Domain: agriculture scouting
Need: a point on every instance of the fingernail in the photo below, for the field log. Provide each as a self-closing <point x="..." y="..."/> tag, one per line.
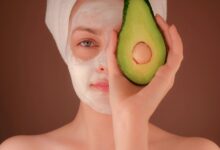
<point x="172" y="27"/>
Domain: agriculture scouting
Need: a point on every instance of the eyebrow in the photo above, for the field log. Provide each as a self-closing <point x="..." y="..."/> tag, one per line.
<point x="87" y="29"/>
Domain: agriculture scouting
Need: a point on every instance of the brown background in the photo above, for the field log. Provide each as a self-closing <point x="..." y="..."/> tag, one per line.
<point x="36" y="94"/>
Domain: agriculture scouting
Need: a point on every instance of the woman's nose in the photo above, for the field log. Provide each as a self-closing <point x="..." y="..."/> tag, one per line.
<point x="101" y="63"/>
<point x="101" y="68"/>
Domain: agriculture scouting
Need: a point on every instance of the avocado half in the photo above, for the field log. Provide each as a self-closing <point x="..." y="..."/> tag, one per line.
<point x="139" y="26"/>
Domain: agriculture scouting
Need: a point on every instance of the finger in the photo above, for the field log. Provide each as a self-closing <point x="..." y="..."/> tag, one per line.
<point x="175" y="55"/>
<point x="165" y="76"/>
<point x="114" y="75"/>
<point x="157" y="88"/>
<point x="160" y="84"/>
<point x="174" y="42"/>
<point x="165" y="29"/>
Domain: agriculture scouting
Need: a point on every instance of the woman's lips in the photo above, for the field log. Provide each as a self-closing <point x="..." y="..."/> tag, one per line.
<point x="103" y="86"/>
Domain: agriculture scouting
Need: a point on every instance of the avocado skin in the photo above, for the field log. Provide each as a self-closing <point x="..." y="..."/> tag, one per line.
<point x="123" y="69"/>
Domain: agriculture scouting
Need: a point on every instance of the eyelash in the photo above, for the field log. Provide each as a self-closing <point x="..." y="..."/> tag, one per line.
<point x="88" y="41"/>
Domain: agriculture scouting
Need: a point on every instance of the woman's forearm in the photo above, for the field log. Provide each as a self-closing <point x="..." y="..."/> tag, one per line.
<point x="130" y="132"/>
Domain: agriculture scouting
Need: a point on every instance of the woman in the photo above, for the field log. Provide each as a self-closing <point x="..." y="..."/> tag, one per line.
<point x="113" y="113"/>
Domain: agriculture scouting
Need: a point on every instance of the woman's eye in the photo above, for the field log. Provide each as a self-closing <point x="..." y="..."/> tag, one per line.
<point x="87" y="43"/>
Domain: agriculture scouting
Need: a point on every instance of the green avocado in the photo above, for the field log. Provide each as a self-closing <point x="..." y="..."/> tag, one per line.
<point x="140" y="28"/>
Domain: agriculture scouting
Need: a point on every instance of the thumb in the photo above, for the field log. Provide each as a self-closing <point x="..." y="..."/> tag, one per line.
<point x="116" y="78"/>
<point x="113" y="68"/>
<point x="119" y="86"/>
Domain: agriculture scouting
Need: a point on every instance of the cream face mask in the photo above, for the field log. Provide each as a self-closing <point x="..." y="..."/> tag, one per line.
<point x="87" y="47"/>
<point x="84" y="53"/>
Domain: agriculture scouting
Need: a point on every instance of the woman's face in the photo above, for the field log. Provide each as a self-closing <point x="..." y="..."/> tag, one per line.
<point x="90" y="27"/>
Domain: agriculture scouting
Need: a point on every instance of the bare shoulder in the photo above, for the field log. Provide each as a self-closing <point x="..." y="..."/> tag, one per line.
<point x="197" y="143"/>
<point x="31" y="142"/>
<point x="21" y="142"/>
<point x="190" y="143"/>
<point x="51" y="140"/>
<point x="169" y="141"/>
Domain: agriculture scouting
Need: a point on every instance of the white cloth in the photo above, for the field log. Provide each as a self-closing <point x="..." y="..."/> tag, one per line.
<point x="58" y="13"/>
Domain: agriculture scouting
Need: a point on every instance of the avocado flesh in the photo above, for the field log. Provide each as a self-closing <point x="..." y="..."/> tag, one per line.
<point x="139" y="26"/>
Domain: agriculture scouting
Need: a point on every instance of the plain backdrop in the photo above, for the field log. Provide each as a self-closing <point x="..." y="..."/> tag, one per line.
<point x="36" y="94"/>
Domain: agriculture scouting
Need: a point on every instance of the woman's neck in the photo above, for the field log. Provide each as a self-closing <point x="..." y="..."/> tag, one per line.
<point x="97" y="129"/>
<point x="94" y="127"/>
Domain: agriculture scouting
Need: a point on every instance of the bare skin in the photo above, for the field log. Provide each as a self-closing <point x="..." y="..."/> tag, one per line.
<point x="128" y="127"/>
<point x="93" y="131"/>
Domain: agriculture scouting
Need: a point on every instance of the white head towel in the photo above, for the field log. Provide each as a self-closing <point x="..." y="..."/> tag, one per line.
<point x="58" y="13"/>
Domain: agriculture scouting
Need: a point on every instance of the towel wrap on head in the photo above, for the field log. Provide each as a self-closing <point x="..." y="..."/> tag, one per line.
<point x="58" y="13"/>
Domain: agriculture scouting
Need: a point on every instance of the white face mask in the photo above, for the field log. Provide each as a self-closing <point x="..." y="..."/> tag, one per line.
<point x="90" y="76"/>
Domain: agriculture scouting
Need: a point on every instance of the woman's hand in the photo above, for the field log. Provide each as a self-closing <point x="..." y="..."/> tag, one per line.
<point x="132" y="106"/>
<point x="137" y="101"/>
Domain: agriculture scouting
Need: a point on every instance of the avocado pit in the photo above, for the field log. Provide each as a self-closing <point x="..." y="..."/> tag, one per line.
<point x="141" y="53"/>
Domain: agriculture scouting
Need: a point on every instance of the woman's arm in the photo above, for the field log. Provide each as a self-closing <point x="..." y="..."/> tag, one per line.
<point x="130" y="132"/>
<point x="132" y="106"/>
